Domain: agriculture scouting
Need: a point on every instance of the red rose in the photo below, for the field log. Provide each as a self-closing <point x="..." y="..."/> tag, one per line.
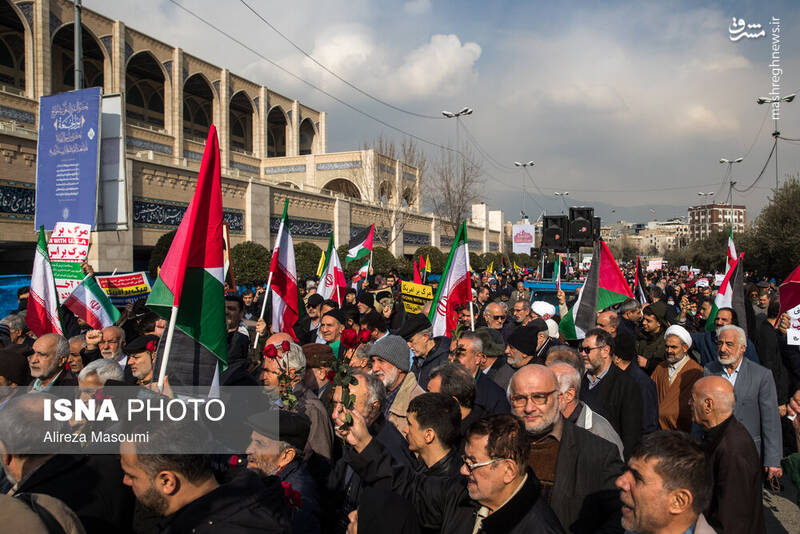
<point x="364" y="335"/>
<point x="293" y="497"/>
<point x="349" y="338"/>
<point x="151" y="346"/>
<point x="330" y="374"/>
<point x="270" y="352"/>
<point x="285" y="346"/>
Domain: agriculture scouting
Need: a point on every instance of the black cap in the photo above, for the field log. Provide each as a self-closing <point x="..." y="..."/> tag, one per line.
<point x="624" y="346"/>
<point x="524" y="339"/>
<point x="366" y="298"/>
<point x="293" y="428"/>
<point x="139" y="344"/>
<point x="336" y="314"/>
<point x="315" y="300"/>
<point x="537" y="325"/>
<point x="415" y="322"/>
<point x="14" y="364"/>
<point x="380" y="295"/>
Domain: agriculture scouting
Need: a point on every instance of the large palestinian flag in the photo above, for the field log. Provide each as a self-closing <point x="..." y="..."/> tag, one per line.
<point x="285" y="310"/>
<point x="361" y="245"/>
<point x="43" y="316"/>
<point x="454" y="290"/>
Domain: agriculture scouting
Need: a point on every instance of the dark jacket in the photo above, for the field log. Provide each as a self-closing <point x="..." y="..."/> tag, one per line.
<point x="422" y="367"/>
<point x="651" y="346"/>
<point x="448" y="466"/>
<point x="491" y="396"/>
<point x="626" y="326"/>
<point x="303" y="330"/>
<point x="649" y="397"/>
<point x="238" y="346"/>
<point x="91" y="485"/>
<point x="618" y="399"/>
<point x="501" y="372"/>
<point x="584" y="495"/>
<point x="736" y="501"/>
<point x="444" y="504"/>
<point x="245" y="504"/>
<point x="767" y="341"/>
<point x="664" y="311"/>
<point x="706" y="344"/>
<point x="308" y="518"/>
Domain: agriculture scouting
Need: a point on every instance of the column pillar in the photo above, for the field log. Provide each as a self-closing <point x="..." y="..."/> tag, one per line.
<point x="224" y="119"/>
<point x="258" y="207"/>
<point x="341" y="222"/>
<point x="176" y="122"/>
<point x="43" y="63"/>
<point x="295" y="128"/>
<point x="322" y="134"/>
<point x="118" y="58"/>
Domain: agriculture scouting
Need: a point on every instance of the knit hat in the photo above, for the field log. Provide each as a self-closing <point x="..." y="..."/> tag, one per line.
<point x="524" y="339"/>
<point x="366" y="298"/>
<point x="336" y="314"/>
<point x="393" y="349"/>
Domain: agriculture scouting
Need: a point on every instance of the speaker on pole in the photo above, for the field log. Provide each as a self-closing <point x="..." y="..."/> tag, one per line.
<point x="580" y="227"/>
<point x="555" y="230"/>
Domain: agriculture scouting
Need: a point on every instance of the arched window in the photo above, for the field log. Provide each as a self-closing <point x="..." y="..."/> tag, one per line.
<point x="276" y="129"/>
<point x="241" y="120"/>
<point x="144" y="80"/>
<point x="12" y="48"/>
<point x="198" y="100"/>
<point x="64" y="59"/>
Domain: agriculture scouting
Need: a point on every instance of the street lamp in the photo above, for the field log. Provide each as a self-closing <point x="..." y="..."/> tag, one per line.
<point x="775" y="100"/>
<point x="451" y="115"/>
<point x="525" y="168"/>
<point x="564" y="200"/>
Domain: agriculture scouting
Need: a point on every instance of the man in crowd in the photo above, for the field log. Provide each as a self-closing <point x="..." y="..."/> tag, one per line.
<point x="666" y="486"/>
<point x="469" y="353"/>
<point x="306" y="328"/>
<point x="47" y="362"/>
<point x="522" y="312"/>
<point x="674" y="378"/>
<point x="14" y="372"/>
<point x="75" y="359"/>
<point x="319" y="365"/>
<point x="630" y="316"/>
<point x="625" y="359"/>
<point x="434" y="433"/>
<point x="495" y="316"/>
<point x="389" y="357"/>
<point x="238" y="341"/>
<point x="521" y="293"/>
<point x="706" y="342"/>
<point x="482" y="299"/>
<point x="608" y="320"/>
<point x="608" y="390"/>
<point x="495" y="365"/>
<point x="650" y="340"/>
<point x="576" y="468"/>
<point x="141" y="355"/>
<point x="542" y="310"/>
<point x="375" y="324"/>
<point x="429" y="352"/>
<point x="756" y="401"/>
<point x="111" y="345"/>
<point x="330" y="330"/>
<point x="528" y="345"/>
<point x="736" y="468"/>
<point x="251" y="309"/>
<point x="453" y="380"/>
<point x="365" y="302"/>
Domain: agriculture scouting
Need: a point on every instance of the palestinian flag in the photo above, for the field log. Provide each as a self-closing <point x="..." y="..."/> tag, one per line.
<point x="285" y="310"/>
<point x="454" y="290"/>
<point x="191" y="279"/>
<point x="604" y="287"/>
<point x="90" y="303"/>
<point x="42" y="316"/>
<point x="361" y="245"/>
<point x="731" y="295"/>
<point x="638" y="285"/>
<point x="731" y="252"/>
<point x="332" y="284"/>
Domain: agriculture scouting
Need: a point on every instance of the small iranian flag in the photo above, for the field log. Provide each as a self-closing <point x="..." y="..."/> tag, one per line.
<point x="89" y="302"/>
<point x="454" y="288"/>
<point x="731" y="252"/>
<point x="42" y="316"/>
<point x="361" y="245"/>
<point x="284" y="280"/>
<point x="604" y="287"/>
<point x="730" y="295"/>
<point x="332" y="283"/>
<point x="362" y="274"/>
<point x="557" y="275"/>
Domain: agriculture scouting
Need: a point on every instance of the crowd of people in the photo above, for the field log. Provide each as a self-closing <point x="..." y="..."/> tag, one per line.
<point x="652" y="423"/>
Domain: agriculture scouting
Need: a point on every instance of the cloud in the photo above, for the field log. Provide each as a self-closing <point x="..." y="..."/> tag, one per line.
<point x="417" y="7"/>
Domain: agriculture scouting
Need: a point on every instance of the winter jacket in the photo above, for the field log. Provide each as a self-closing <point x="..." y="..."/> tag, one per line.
<point x="422" y="366"/>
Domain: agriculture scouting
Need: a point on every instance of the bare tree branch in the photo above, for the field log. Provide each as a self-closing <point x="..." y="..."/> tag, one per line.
<point x="453" y="187"/>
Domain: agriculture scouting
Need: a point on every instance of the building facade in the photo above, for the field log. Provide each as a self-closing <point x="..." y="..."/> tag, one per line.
<point x="710" y="217"/>
<point x="272" y="147"/>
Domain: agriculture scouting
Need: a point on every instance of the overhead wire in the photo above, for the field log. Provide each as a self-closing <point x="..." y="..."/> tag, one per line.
<point x="764" y="168"/>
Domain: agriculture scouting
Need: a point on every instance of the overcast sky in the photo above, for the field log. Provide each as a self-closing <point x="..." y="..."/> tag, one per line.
<point x="628" y="106"/>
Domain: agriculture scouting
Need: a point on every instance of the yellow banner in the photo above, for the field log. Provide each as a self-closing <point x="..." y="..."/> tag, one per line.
<point x="415" y="296"/>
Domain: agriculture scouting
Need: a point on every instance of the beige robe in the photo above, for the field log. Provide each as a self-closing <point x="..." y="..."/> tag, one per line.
<point x="674" y="412"/>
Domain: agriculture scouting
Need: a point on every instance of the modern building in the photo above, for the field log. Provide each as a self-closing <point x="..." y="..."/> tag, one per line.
<point x="272" y="147"/>
<point x="707" y="218"/>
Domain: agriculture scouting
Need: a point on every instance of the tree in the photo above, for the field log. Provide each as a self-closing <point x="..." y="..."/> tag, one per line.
<point x="476" y="261"/>
<point x="250" y="263"/>
<point x="160" y="252"/>
<point x="382" y="260"/>
<point x="306" y="259"/>
<point x="437" y="257"/>
<point x="453" y="187"/>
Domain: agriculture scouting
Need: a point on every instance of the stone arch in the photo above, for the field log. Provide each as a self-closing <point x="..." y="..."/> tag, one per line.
<point x="198" y="107"/>
<point x="63" y="57"/>
<point x="277" y="132"/>
<point x="13" y="53"/>
<point x="145" y="90"/>
<point x="385" y="192"/>
<point x="308" y="137"/>
<point x="290" y="185"/>
<point x="408" y="197"/>
<point x="344" y="187"/>
<point x="242" y="113"/>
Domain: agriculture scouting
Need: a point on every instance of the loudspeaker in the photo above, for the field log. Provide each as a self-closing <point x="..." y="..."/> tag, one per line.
<point x="554" y="232"/>
<point x="580" y="227"/>
<point x="596" y="228"/>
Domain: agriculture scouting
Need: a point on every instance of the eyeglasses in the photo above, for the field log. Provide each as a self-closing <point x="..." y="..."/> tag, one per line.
<point x="587" y="350"/>
<point x="539" y="399"/>
<point x="498" y="317"/>
<point x="455" y="353"/>
<point x="473" y="466"/>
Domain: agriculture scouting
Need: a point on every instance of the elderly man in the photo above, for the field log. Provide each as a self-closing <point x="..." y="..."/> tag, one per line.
<point x="706" y="342"/>
<point x="319" y="365"/>
<point x="542" y="310"/>
<point x="276" y="448"/>
<point x="433" y="433"/>
<point x="495" y="315"/>
<point x="97" y="373"/>
<point x="46" y="364"/>
<point x="528" y="344"/>
<point x="141" y="355"/>
<point x="608" y="320"/>
<point x="576" y="468"/>
<point x="330" y="330"/>
<point x="522" y="312"/>
<point x="520" y="293"/>
<point x="736" y="501"/>
<point x="495" y="365"/>
<point x="389" y="357"/>
<point x="75" y="358"/>
<point x="111" y="345"/>
<point x="756" y="399"/>
<point x="428" y="351"/>
<point x="609" y="390"/>
<point x="666" y="487"/>
<point x="501" y="493"/>
<point x="674" y="379"/>
<point x="469" y="353"/>
<point x="629" y="314"/>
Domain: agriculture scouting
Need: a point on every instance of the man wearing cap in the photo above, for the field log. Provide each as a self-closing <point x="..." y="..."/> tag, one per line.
<point x="141" y="355"/>
<point x="389" y="357"/>
<point x="428" y="351"/>
<point x="528" y="345"/>
<point x="319" y="363"/>
<point x="330" y="330"/>
<point x="625" y="358"/>
<point x="365" y="302"/>
<point x="469" y="353"/>
<point x="276" y="449"/>
<point x="14" y="371"/>
<point x="674" y="378"/>
<point x="495" y="364"/>
<point x="306" y="329"/>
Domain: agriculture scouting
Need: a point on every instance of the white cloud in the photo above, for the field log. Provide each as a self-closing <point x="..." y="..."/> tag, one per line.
<point x="417" y="7"/>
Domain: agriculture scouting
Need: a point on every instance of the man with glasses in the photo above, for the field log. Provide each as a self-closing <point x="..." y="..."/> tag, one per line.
<point x="610" y="391"/>
<point x="501" y="493"/>
<point x="469" y="353"/>
<point x="495" y="316"/>
<point x="522" y="313"/>
<point x="577" y="469"/>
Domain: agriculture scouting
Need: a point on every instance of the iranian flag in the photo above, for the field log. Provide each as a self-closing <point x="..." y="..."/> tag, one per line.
<point x="362" y="274"/>
<point x="731" y="252"/>
<point x="332" y="283"/>
<point x="189" y="288"/>
<point x="604" y="287"/>
<point x="282" y="269"/>
<point x="730" y="295"/>
<point x="454" y="288"/>
<point x="89" y="302"/>
<point x="42" y="316"/>
<point x="361" y="245"/>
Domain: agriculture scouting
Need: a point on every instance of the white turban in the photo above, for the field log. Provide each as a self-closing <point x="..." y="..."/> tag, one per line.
<point x="681" y="333"/>
<point x="543" y="309"/>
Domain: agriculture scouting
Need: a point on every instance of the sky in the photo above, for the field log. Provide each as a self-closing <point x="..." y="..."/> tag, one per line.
<point x="627" y="106"/>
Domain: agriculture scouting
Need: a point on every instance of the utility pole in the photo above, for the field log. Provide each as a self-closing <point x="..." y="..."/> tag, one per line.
<point x="78" y="47"/>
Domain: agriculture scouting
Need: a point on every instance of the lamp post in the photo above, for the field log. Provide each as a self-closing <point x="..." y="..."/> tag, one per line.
<point x="525" y="168"/>
<point x="563" y="200"/>
<point x="731" y="183"/>
<point x="775" y="101"/>
<point x="457" y="116"/>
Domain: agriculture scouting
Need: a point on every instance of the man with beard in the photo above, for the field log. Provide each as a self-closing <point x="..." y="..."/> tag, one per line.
<point x="650" y="340"/>
<point x="429" y="351"/>
<point x="390" y="365"/>
<point x="469" y="353"/>
<point x="522" y="312"/>
<point x="528" y="344"/>
<point x="674" y="379"/>
<point x="495" y="364"/>
<point x="577" y="469"/>
<point x="307" y="327"/>
<point x="141" y="355"/>
<point x="46" y="364"/>
<point x="276" y="448"/>
<point x="705" y="342"/>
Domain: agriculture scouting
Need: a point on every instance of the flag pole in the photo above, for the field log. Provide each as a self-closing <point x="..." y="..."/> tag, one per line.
<point x="162" y="372"/>
<point x="264" y="305"/>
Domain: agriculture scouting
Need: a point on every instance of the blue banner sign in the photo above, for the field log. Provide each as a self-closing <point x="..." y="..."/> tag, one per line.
<point x="67" y="158"/>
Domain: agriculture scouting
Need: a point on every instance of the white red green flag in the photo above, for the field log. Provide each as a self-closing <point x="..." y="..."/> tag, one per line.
<point x="285" y="311"/>
<point x="361" y="275"/>
<point x="557" y="275"/>
<point x="454" y="288"/>
<point x="730" y="295"/>
<point x="332" y="283"/>
<point x="89" y="302"/>
<point x="731" y="252"/>
<point x="361" y="245"/>
<point x="42" y="316"/>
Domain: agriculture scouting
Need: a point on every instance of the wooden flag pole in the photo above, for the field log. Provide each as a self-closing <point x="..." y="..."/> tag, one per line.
<point x="264" y="305"/>
<point x="162" y="372"/>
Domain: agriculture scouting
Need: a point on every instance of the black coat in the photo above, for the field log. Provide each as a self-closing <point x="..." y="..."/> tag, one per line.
<point x="91" y="485"/>
<point x="618" y="399"/>
<point x="422" y="367"/>
<point x="238" y="346"/>
<point x="584" y="494"/>
<point x="308" y="518"/>
<point x="501" y="372"/>
<point x="491" y="396"/>
<point x="767" y="341"/>
<point x="444" y="504"/>
<point x="649" y="397"/>
<point x="245" y="504"/>
<point x="448" y="466"/>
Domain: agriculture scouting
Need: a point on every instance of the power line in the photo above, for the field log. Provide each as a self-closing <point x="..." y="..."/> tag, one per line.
<point x="746" y="189"/>
<point x="763" y="121"/>
<point x="329" y="71"/>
